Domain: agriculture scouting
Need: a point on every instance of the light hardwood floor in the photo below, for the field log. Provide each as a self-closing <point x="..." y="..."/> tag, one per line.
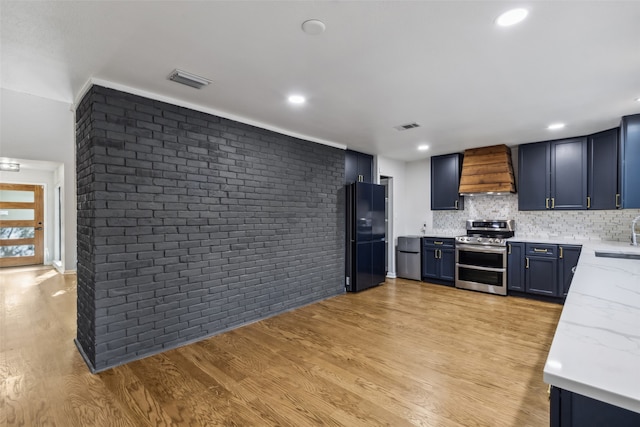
<point x="405" y="353"/>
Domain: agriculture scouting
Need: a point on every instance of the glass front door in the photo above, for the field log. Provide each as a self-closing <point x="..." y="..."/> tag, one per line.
<point x="21" y="225"/>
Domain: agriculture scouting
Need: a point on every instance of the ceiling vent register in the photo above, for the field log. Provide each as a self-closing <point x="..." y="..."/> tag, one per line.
<point x="487" y="170"/>
<point x="407" y="126"/>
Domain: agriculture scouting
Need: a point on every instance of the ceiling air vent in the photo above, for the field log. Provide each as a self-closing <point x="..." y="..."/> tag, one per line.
<point x="407" y="126"/>
<point x="188" y="79"/>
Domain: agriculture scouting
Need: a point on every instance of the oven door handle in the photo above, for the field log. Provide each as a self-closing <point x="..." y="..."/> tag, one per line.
<point x="477" y="267"/>
<point x="482" y="248"/>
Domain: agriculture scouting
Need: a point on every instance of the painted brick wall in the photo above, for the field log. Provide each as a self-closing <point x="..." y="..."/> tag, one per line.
<point x="191" y="224"/>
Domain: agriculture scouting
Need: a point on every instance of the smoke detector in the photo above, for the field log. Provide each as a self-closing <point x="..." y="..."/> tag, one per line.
<point x="188" y="79"/>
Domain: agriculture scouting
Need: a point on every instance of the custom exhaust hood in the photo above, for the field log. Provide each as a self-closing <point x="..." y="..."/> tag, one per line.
<point x="487" y="170"/>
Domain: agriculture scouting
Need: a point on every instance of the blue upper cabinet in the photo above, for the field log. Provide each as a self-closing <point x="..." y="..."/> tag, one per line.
<point x="445" y="181"/>
<point x="630" y="164"/>
<point x="603" y="186"/>
<point x="358" y="167"/>
<point x="553" y="175"/>
<point x="569" y="174"/>
<point x="534" y="174"/>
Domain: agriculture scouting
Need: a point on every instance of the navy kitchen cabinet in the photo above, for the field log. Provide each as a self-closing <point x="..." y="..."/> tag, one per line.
<point x="515" y="266"/>
<point x="630" y="164"/>
<point x="553" y="175"/>
<point x="358" y="167"/>
<point x="534" y="176"/>
<point x="602" y="170"/>
<point x="438" y="260"/>
<point x="570" y="409"/>
<point x="445" y="181"/>
<point x="569" y="174"/>
<point x="541" y="269"/>
<point x="568" y="256"/>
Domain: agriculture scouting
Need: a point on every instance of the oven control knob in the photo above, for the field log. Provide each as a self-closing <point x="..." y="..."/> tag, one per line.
<point x="479" y="239"/>
<point x="491" y="240"/>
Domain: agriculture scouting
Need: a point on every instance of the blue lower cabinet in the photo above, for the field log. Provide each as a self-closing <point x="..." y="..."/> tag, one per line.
<point x="568" y="256"/>
<point x="438" y="260"/>
<point x="515" y="266"/>
<point x="448" y="264"/>
<point x="570" y="409"/>
<point x="541" y="269"/>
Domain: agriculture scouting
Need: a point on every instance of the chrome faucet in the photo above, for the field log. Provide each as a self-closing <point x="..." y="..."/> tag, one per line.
<point x="634" y="235"/>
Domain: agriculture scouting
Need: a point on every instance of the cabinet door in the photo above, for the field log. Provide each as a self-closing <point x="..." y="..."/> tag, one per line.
<point x="602" y="170"/>
<point x="630" y="165"/>
<point x="365" y="167"/>
<point x="533" y="176"/>
<point x="447" y="264"/>
<point x="541" y="275"/>
<point x="569" y="174"/>
<point x="350" y="167"/>
<point x="567" y="261"/>
<point x="515" y="266"/>
<point x="358" y="167"/>
<point x="445" y="181"/>
<point x="430" y="262"/>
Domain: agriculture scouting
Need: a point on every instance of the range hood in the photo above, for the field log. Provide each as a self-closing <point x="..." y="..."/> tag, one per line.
<point x="487" y="170"/>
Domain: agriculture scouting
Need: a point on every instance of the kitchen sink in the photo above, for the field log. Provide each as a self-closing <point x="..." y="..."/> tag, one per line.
<point x="621" y="255"/>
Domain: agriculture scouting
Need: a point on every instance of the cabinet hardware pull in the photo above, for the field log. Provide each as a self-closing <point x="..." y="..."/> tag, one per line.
<point x="618" y="200"/>
<point x="540" y="250"/>
<point x="553" y="203"/>
<point x="527" y="259"/>
<point x="456" y="204"/>
<point x="561" y="253"/>
<point x="588" y="202"/>
<point x="439" y="253"/>
<point x="509" y="251"/>
<point x="438" y="243"/>
<point x="546" y="203"/>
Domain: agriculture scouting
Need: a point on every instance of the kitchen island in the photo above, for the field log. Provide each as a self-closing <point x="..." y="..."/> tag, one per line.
<point x="595" y="353"/>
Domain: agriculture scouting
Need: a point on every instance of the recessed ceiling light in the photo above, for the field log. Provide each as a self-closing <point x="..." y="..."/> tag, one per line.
<point x="297" y="99"/>
<point x="555" y="126"/>
<point x="423" y="147"/>
<point x="637" y="99"/>
<point x="511" y="17"/>
<point x="313" y="27"/>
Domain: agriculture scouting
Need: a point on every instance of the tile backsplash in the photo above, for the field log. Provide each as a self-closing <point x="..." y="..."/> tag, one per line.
<point x="594" y="225"/>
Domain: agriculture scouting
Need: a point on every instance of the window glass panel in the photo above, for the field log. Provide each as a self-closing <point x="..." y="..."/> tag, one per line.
<point x="16" y="233"/>
<point x="16" y="196"/>
<point x="16" y="214"/>
<point x="13" y="251"/>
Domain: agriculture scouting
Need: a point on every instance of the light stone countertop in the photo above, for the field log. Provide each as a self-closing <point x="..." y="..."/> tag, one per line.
<point x="596" y="346"/>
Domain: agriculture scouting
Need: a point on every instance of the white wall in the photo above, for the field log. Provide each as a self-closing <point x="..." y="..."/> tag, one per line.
<point x="35" y="128"/>
<point x="46" y="179"/>
<point x="417" y="206"/>
<point x="394" y="169"/>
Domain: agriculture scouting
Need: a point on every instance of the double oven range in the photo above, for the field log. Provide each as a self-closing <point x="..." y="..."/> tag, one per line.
<point x="481" y="256"/>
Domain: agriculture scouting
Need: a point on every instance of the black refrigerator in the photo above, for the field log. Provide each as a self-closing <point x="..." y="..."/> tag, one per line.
<point x="365" y="237"/>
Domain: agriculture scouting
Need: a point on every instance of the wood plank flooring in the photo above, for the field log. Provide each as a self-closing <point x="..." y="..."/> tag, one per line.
<point x="405" y="353"/>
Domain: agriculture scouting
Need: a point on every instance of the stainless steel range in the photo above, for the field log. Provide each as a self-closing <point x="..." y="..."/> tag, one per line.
<point x="481" y="255"/>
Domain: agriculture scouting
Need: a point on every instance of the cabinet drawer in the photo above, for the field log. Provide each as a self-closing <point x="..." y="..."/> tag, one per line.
<point x="538" y="249"/>
<point x="434" y="241"/>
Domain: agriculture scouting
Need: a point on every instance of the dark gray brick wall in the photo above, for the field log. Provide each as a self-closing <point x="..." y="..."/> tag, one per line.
<point x="190" y="224"/>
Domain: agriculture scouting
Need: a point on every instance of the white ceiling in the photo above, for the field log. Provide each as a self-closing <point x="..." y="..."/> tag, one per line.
<point x="379" y="64"/>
